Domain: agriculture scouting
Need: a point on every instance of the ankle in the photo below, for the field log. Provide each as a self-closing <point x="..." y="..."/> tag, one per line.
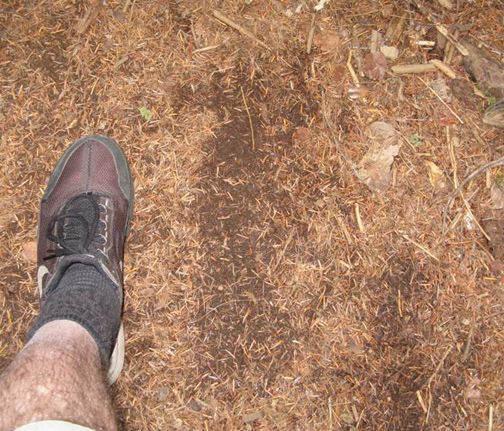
<point x="64" y="335"/>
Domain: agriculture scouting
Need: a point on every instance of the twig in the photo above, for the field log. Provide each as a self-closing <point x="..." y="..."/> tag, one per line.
<point x="249" y="118"/>
<point x="456" y="184"/>
<point x="88" y="18"/>
<point x="452" y="39"/>
<point x="330" y="414"/>
<point x="421" y="247"/>
<point x="442" y="101"/>
<point x="467" y="346"/>
<point x="311" y="33"/>
<point x="441" y="362"/>
<point x="350" y="68"/>
<point x="126" y="6"/>
<point x="358" y="217"/>
<point x="206" y="48"/>
<point x="439" y="27"/>
<point x="221" y="17"/>
<point x="413" y="68"/>
<point x="449" y="49"/>
<point x="443" y="67"/>
<point x="498" y="162"/>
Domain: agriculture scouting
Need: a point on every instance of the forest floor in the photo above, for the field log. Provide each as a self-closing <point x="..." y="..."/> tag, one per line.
<point x="267" y="286"/>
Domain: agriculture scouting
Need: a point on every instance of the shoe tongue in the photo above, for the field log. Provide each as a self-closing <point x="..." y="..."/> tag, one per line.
<point x="77" y="233"/>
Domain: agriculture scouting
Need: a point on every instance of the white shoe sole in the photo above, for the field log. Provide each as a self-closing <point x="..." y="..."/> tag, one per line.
<point x="117" y="359"/>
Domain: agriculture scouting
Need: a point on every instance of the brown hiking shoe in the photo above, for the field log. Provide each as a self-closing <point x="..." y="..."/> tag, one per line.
<point x="84" y="218"/>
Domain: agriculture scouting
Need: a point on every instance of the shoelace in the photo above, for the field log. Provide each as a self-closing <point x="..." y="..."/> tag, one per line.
<point x="76" y="236"/>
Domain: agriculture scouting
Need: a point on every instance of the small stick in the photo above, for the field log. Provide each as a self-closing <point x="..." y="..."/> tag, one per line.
<point x="449" y="48"/>
<point x="421" y="401"/>
<point x="395" y="29"/>
<point x="439" y="27"/>
<point x="495" y="163"/>
<point x="467" y="346"/>
<point x="443" y="67"/>
<point x="350" y="68"/>
<point x="358" y="217"/>
<point x="431" y="378"/>
<point x="421" y="247"/>
<point x="456" y="184"/>
<point x="442" y="101"/>
<point x="89" y="17"/>
<point x="452" y="39"/>
<point x="490" y="417"/>
<point x="249" y="118"/>
<point x="413" y="68"/>
<point x="427" y="43"/>
<point x="374" y="41"/>
<point x="221" y="17"/>
<point x="206" y="48"/>
<point x="330" y="413"/>
<point x="311" y="33"/>
<point x="126" y="6"/>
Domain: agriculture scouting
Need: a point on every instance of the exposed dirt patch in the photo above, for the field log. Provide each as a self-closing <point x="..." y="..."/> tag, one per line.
<point x="240" y="325"/>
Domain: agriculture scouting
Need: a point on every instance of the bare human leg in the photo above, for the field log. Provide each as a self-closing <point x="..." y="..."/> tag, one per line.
<point x="84" y="219"/>
<point x="57" y="376"/>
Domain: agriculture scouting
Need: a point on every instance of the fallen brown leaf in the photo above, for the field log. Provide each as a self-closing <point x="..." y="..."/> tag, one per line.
<point x="374" y="65"/>
<point x="374" y="168"/>
<point x="30" y="251"/>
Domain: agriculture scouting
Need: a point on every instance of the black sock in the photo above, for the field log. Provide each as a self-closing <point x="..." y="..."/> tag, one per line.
<point x="89" y="298"/>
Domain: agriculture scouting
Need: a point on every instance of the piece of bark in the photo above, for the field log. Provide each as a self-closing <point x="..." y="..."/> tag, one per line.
<point x="488" y="72"/>
<point x="450" y="49"/>
<point x="396" y="28"/>
<point x="464" y="92"/>
<point x="494" y="116"/>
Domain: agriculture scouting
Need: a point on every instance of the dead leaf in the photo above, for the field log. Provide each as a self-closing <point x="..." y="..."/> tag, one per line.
<point x="446" y="3"/>
<point x="337" y="73"/>
<point x="358" y="92"/>
<point x="442" y="90"/>
<point x="374" y="168"/>
<point x="301" y="135"/>
<point x="497" y="196"/>
<point x="473" y="394"/>
<point x="251" y="417"/>
<point x="436" y="177"/>
<point x="30" y="251"/>
<point x="374" y="65"/>
<point x="326" y="40"/>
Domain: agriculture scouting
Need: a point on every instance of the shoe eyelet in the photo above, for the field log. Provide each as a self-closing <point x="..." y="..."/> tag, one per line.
<point x="102" y="225"/>
<point x="102" y="208"/>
